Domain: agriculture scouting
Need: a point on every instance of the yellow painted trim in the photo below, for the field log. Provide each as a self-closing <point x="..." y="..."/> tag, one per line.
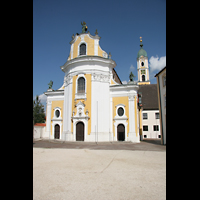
<point x="75" y="50"/>
<point x="58" y="103"/>
<point x="136" y="116"/>
<point x="100" y="51"/>
<point x="144" y="83"/>
<point x="90" y="45"/>
<point x="69" y="58"/>
<point x="121" y="100"/>
<point x="87" y="102"/>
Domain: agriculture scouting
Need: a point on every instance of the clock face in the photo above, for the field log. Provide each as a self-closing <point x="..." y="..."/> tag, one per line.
<point x="143" y="71"/>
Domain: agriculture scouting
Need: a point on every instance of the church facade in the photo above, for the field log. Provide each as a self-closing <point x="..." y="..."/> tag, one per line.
<point x="92" y="104"/>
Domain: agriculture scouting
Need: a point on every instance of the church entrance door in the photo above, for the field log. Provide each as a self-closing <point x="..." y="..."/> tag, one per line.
<point x="120" y="132"/>
<point x="57" y="132"/>
<point x="80" y="131"/>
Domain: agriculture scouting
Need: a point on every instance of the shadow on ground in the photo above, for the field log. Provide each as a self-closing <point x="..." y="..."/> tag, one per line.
<point x="153" y="141"/>
<point x="145" y="145"/>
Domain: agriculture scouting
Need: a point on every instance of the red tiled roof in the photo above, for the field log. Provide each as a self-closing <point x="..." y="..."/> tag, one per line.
<point x="40" y="124"/>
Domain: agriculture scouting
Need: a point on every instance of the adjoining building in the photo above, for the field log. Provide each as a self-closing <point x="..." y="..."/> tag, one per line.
<point x="150" y="111"/>
<point x="161" y="85"/>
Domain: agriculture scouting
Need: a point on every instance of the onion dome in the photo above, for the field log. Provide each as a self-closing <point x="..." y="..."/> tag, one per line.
<point x="141" y="52"/>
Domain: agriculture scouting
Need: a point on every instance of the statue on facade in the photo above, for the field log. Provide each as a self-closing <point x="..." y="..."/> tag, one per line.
<point x="84" y="28"/>
<point x="50" y="84"/>
<point x="131" y="76"/>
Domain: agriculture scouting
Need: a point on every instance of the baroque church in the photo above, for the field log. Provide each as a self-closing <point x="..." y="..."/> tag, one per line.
<point x="93" y="104"/>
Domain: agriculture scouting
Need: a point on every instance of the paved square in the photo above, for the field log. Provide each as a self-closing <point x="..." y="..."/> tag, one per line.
<point x="60" y="173"/>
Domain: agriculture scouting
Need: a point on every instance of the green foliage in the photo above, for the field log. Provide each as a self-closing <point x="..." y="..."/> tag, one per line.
<point x="38" y="111"/>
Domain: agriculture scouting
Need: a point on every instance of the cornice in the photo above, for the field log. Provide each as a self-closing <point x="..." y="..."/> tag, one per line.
<point x="54" y="92"/>
<point x="124" y="87"/>
<point x="88" y="60"/>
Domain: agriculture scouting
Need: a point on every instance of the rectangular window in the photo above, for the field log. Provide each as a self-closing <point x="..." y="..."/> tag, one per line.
<point x="145" y="116"/>
<point x="81" y="85"/>
<point x="145" y="128"/>
<point x="83" y="49"/>
<point x="157" y="115"/>
<point x="155" y="128"/>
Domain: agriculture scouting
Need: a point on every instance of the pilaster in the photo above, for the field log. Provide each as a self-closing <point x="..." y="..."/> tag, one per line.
<point x="48" y="119"/>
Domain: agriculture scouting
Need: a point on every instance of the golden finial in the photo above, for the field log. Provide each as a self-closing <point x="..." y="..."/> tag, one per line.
<point x="141" y="42"/>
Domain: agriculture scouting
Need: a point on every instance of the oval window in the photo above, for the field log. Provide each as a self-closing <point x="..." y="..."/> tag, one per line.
<point x="120" y="111"/>
<point x="142" y="63"/>
<point x="57" y="113"/>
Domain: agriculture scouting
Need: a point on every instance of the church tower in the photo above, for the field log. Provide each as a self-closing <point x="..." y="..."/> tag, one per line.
<point x="142" y="66"/>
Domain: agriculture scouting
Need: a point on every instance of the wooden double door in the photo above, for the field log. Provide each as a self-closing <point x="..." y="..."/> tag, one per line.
<point x="80" y="131"/>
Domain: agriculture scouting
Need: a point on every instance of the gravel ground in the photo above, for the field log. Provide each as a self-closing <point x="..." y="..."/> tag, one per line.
<point x="60" y="173"/>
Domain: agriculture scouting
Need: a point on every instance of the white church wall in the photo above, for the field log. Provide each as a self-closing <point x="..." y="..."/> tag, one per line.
<point x="100" y="116"/>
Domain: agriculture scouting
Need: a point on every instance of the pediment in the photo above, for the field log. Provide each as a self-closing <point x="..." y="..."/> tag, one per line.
<point x="80" y="104"/>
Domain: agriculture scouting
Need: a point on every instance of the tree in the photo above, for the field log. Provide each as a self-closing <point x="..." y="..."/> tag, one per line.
<point x="38" y="111"/>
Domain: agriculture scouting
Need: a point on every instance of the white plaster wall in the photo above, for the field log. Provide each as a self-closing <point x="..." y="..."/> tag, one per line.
<point x="39" y="132"/>
<point x="151" y="121"/>
<point x="163" y="107"/>
<point x="100" y="116"/>
<point x="67" y="135"/>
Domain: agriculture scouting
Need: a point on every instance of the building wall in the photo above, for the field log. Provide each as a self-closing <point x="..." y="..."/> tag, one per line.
<point x="96" y="72"/>
<point x="100" y="110"/>
<point x="101" y="119"/>
<point x="92" y="46"/>
<point x="125" y="96"/>
<point x="56" y="105"/>
<point x="162" y="106"/>
<point x="39" y="132"/>
<point x="87" y="102"/>
<point x="116" y="103"/>
<point x="150" y="122"/>
<point x="54" y="102"/>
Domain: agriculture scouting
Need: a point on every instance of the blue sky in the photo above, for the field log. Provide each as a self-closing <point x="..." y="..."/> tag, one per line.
<point x="120" y="23"/>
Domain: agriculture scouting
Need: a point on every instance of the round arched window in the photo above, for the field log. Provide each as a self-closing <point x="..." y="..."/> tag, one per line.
<point x="142" y="63"/>
<point x="120" y="111"/>
<point x="57" y="113"/>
